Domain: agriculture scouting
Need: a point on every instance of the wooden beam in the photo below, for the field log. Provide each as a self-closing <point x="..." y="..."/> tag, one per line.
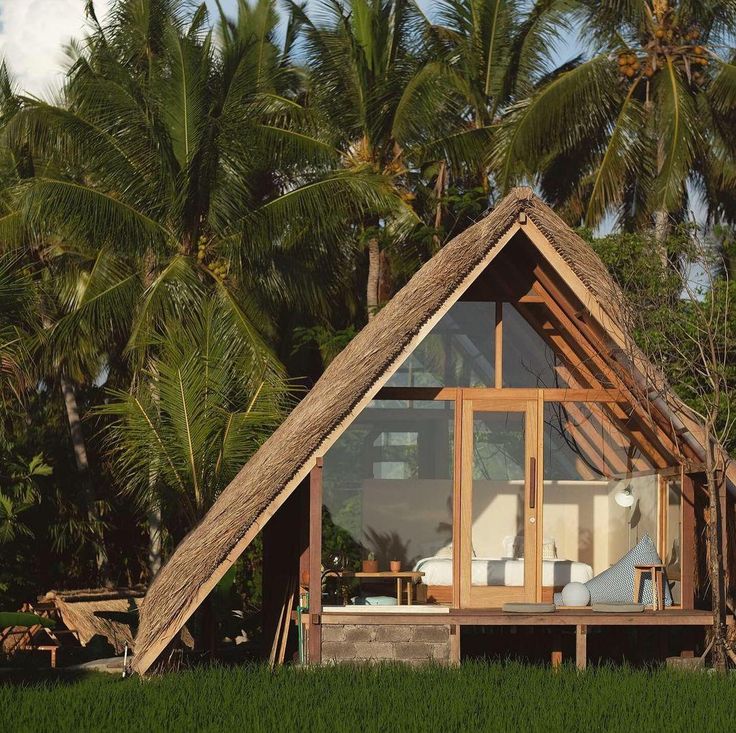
<point x="594" y="350"/>
<point x="581" y="646"/>
<point x="498" y="335"/>
<point x="455" y="650"/>
<point x="315" y="563"/>
<point x="466" y="507"/>
<point x="497" y="617"/>
<point x="521" y="393"/>
<point x="688" y="543"/>
<point x="457" y="513"/>
<point x="589" y="353"/>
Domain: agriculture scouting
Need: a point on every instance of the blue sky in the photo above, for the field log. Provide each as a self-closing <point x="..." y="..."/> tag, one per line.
<point x="33" y="34"/>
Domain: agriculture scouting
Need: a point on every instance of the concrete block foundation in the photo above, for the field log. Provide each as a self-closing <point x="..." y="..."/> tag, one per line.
<point x="415" y="645"/>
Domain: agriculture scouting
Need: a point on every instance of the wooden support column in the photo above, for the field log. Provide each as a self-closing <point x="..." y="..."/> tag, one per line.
<point x="688" y="548"/>
<point x="315" y="563"/>
<point x="556" y="653"/>
<point x="581" y="646"/>
<point x="455" y="645"/>
<point x="724" y="506"/>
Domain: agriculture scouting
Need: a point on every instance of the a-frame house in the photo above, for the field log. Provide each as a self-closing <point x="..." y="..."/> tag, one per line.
<point x="493" y="430"/>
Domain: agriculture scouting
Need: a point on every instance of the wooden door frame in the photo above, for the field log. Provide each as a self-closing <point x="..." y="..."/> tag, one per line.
<point x="466" y="595"/>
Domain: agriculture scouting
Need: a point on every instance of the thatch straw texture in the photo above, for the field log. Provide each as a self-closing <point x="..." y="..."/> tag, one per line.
<point x="358" y="372"/>
<point x="106" y="614"/>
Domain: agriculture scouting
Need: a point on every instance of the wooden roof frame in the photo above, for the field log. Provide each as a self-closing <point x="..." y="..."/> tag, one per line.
<point x="179" y="589"/>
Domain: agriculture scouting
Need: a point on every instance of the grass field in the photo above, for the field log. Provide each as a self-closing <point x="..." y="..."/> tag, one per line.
<point x="487" y="697"/>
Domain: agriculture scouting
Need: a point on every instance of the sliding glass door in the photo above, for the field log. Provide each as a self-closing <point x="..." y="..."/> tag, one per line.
<point x="499" y="503"/>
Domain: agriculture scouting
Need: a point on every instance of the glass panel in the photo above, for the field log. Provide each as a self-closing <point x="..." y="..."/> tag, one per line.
<point x="600" y="492"/>
<point x="498" y="498"/>
<point x="672" y="545"/>
<point x="387" y="486"/>
<point x="528" y="360"/>
<point x="458" y="352"/>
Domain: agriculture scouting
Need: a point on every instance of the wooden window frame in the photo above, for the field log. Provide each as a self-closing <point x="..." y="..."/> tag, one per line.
<point x="543" y="292"/>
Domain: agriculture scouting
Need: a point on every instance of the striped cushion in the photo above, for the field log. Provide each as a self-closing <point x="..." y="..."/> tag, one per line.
<point x="616" y="584"/>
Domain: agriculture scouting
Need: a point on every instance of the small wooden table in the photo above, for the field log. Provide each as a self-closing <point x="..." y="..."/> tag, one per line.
<point x="408" y="577"/>
<point x="656" y="572"/>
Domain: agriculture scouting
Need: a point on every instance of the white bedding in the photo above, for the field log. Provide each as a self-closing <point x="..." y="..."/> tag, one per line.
<point x="504" y="571"/>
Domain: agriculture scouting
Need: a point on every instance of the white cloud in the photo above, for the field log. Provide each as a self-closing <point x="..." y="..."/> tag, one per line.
<point x="34" y="33"/>
<point x="33" y="37"/>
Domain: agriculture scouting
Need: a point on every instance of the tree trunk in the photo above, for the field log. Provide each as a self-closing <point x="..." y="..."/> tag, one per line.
<point x="374" y="276"/>
<point x="75" y="425"/>
<point x="661" y="234"/>
<point x="439" y="189"/>
<point x="154" y="541"/>
<point x="82" y="461"/>
<point x="715" y="549"/>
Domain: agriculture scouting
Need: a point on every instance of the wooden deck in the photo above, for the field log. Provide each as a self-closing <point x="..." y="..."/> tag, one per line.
<point x="497" y="617"/>
<point x="580" y="619"/>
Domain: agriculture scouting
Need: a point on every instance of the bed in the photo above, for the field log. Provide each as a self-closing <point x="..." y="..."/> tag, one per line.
<point x="488" y="571"/>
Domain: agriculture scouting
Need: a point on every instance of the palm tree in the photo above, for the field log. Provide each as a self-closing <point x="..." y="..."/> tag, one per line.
<point x="639" y="126"/>
<point x="200" y="408"/>
<point x="498" y="48"/>
<point x="175" y="170"/>
<point x="390" y="109"/>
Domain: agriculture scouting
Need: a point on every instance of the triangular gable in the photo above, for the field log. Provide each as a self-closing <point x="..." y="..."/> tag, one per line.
<point x="347" y="386"/>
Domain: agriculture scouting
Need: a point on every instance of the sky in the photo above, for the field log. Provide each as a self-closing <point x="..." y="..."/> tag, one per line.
<point x="33" y="34"/>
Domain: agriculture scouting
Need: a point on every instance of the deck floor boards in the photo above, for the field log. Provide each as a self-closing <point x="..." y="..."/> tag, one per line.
<point x="561" y="617"/>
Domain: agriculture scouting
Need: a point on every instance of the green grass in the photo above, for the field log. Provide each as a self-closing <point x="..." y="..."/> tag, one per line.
<point x="488" y="697"/>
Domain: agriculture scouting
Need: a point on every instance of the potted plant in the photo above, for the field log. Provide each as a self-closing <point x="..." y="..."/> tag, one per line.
<point x="395" y="566"/>
<point x="371" y="564"/>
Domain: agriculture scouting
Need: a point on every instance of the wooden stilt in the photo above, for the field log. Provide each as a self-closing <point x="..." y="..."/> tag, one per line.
<point x="455" y="645"/>
<point x="581" y="646"/>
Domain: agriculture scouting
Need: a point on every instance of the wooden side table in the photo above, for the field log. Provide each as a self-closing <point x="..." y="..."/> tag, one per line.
<point x="656" y="573"/>
<point x="408" y="578"/>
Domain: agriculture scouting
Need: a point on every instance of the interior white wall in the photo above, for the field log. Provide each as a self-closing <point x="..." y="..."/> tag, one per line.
<point x="582" y="517"/>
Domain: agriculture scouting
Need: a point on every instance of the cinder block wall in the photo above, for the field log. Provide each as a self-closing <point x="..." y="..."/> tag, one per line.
<point x="413" y="644"/>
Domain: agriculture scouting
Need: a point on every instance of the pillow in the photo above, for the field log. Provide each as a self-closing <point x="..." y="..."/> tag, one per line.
<point x="374" y="601"/>
<point x="616" y="584"/>
<point x="549" y="549"/>
<point x="514" y="547"/>
<point x="445" y="551"/>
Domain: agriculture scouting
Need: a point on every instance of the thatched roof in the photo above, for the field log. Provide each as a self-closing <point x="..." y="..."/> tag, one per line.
<point x="111" y="615"/>
<point x="344" y="389"/>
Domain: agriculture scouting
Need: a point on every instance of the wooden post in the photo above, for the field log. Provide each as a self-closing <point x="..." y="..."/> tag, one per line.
<point x="315" y="563"/>
<point x="688" y="543"/>
<point x="581" y="646"/>
<point x="724" y="538"/>
<point x="457" y="539"/>
<point x="556" y="655"/>
<point x="455" y="645"/>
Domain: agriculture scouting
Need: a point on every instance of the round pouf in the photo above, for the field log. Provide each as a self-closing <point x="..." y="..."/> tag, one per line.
<point x="575" y="594"/>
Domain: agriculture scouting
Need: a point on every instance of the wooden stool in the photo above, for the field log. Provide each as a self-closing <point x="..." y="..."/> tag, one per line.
<point x="656" y="572"/>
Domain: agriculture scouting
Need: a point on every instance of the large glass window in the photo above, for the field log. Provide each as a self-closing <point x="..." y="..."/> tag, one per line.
<point x="458" y="352"/>
<point x="528" y="360"/>
<point x="600" y="491"/>
<point x="387" y="485"/>
<point x="498" y="496"/>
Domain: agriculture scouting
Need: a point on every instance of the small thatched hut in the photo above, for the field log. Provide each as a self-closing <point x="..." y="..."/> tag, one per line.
<point x="495" y="433"/>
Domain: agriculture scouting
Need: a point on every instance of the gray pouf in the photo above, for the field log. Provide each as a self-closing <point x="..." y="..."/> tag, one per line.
<point x="575" y="595"/>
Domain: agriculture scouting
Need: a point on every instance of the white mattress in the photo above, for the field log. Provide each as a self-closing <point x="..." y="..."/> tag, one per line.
<point x="504" y="571"/>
